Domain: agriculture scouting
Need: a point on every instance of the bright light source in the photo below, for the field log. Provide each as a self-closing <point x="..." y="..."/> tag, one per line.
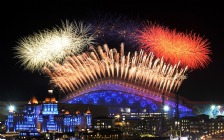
<point x="50" y="91"/>
<point x="213" y="107"/>
<point x="11" y="108"/>
<point x="117" y="116"/>
<point x="166" y="108"/>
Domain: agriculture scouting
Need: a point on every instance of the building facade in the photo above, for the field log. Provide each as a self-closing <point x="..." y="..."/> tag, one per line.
<point x="46" y="117"/>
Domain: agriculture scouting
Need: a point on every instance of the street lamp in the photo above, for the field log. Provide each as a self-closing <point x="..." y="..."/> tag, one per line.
<point x="117" y="116"/>
<point x="11" y="108"/>
<point x="166" y="108"/>
<point x="213" y="107"/>
<point x="50" y="90"/>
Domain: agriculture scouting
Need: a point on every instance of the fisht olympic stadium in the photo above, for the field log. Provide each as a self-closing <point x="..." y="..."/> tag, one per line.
<point x="140" y="83"/>
<point x="115" y="78"/>
<point x="114" y="93"/>
<point x="117" y="93"/>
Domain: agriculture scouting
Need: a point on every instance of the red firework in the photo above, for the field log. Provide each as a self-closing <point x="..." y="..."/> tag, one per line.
<point x="190" y="49"/>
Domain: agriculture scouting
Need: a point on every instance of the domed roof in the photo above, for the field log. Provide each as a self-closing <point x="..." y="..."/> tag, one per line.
<point x="88" y="111"/>
<point x="33" y="100"/>
<point x="50" y="100"/>
<point x="66" y="112"/>
<point x="77" y="112"/>
<point x="53" y="100"/>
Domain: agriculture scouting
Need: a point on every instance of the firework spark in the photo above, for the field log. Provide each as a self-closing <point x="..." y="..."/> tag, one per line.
<point x="103" y="63"/>
<point x="112" y="29"/>
<point x="190" y="49"/>
<point x="38" y="50"/>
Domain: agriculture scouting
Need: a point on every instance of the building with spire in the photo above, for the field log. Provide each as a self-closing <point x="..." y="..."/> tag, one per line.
<point x="45" y="117"/>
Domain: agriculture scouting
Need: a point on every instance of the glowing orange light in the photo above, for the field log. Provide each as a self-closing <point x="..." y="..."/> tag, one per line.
<point x="78" y="71"/>
<point x="190" y="49"/>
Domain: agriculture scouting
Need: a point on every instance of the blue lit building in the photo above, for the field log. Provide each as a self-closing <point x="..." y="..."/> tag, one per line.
<point x="117" y="94"/>
<point x="45" y="117"/>
<point x="26" y="120"/>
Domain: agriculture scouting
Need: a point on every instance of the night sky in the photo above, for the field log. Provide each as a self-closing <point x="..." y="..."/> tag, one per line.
<point x="20" y="21"/>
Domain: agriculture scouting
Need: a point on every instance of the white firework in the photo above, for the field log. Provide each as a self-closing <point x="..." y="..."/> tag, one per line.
<point x="40" y="49"/>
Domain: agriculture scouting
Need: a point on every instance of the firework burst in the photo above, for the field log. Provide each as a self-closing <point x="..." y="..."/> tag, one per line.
<point x="39" y="50"/>
<point x="143" y="69"/>
<point x="189" y="49"/>
<point x="112" y="29"/>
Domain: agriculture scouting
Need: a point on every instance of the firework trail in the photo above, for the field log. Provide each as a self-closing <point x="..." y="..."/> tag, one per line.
<point x="79" y="70"/>
<point x="189" y="49"/>
<point x="47" y="46"/>
<point x="110" y="29"/>
<point x="57" y="54"/>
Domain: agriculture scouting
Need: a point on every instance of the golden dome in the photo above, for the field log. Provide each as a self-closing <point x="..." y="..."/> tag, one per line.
<point x="33" y="100"/>
<point x="47" y="100"/>
<point x="53" y="100"/>
<point x="77" y="112"/>
<point x="88" y="111"/>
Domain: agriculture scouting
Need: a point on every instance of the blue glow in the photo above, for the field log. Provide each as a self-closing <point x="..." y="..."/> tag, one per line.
<point x="143" y="104"/>
<point x="50" y="109"/>
<point x="121" y="93"/>
<point x="108" y="99"/>
<point x="49" y="118"/>
<point x="120" y="98"/>
<point x="130" y="101"/>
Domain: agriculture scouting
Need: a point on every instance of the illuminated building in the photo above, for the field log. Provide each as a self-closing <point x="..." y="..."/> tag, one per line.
<point x="26" y="120"/>
<point x="46" y="117"/>
<point x="120" y="94"/>
<point x="103" y="122"/>
<point x="140" y="110"/>
<point x="105" y="134"/>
